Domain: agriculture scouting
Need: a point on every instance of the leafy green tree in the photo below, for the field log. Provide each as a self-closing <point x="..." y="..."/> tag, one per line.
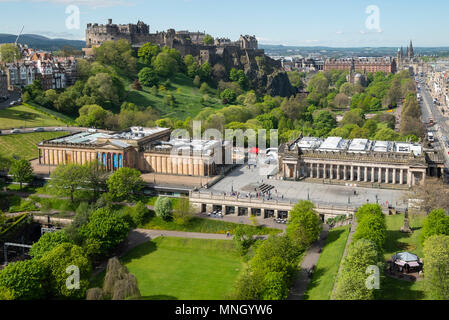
<point x="304" y="225"/>
<point x="67" y="179"/>
<point x="148" y="52"/>
<point x="148" y="77"/>
<point x="387" y="134"/>
<point x="324" y="122"/>
<point x="436" y="267"/>
<point x="96" y="176"/>
<point x="9" y="52"/>
<point x="57" y="262"/>
<point x="163" y="208"/>
<point x="208" y="39"/>
<point x="125" y="182"/>
<point x="47" y="242"/>
<point x="354" y="116"/>
<point x="21" y="171"/>
<point x="228" y="95"/>
<point x="107" y="227"/>
<point x="183" y="211"/>
<point x="371" y="126"/>
<point x="165" y="65"/>
<point x="351" y="282"/>
<point x="436" y="223"/>
<point x="372" y="227"/>
<point x="92" y="116"/>
<point x="104" y="89"/>
<point x="244" y="238"/>
<point x="275" y="287"/>
<point x="205" y="71"/>
<point x="368" y="210"/>
<point x="25" y="279"/>
<point x="118" y="54"/>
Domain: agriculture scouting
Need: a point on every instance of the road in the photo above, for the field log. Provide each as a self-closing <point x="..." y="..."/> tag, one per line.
<point x="441" y="128"/>
<point x="50" y="129"/>
<point x="13" y="96"/>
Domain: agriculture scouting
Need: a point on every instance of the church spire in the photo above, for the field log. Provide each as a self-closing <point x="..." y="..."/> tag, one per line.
<point x="410" y="54"/>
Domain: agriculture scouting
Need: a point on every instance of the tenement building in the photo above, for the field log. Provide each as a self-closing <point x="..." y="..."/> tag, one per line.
<point x="150" y="150"/>
<point x="358" y="160"/>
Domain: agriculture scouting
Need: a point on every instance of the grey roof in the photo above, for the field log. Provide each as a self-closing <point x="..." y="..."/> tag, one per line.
<point x="406" y="256"/>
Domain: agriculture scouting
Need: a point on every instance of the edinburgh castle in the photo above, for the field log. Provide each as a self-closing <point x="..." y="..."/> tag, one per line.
<point x="243" y="54"/>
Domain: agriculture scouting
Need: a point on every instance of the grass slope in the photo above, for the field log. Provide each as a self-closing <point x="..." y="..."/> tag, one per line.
<point x="203" y="225"/>
<point x="23" y="116"/>
<point x="187" y="98"/>
<point x="24" y="145"/>
<point x="322" y="283"/>
<point x="184" y="269"/>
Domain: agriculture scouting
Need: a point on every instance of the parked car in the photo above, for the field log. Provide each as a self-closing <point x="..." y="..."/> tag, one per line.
<point x="58" y="129"/>
<point x="12" y="103"/>
<point x="38" y="130"/>
<point x="15" y="131"/>
<point x="92" y="130"/>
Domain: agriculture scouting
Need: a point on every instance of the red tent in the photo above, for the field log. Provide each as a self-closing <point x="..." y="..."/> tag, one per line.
<point x="254" y="150"/>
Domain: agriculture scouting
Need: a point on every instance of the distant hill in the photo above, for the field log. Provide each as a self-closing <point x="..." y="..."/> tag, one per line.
<point x="42" y="43"/>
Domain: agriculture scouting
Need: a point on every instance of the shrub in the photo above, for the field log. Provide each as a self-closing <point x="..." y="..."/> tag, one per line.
<point x="47" y="242"/>
<point x="163" y="208"/>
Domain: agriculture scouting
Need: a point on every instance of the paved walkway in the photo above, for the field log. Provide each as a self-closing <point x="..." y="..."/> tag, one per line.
<point x="310" y="260"/>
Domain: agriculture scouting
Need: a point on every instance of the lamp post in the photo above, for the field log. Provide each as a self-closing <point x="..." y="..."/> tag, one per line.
<point x="308" y="194"/>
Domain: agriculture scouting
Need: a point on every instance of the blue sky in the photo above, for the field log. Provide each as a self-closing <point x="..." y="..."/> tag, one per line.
<point x="289" y="22"/>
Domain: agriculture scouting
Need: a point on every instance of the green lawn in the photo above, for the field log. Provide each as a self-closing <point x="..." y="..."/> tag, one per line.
<point x="24" y="145"/>
<point x="322" y="283"/>
<point x="187" y="98"/>
<point x="202" y="225"/>
<point x="184" y="269"/>
<point x="398" y="241"/>
<point x="23" y="116"/>
<point x="394" y="289"/>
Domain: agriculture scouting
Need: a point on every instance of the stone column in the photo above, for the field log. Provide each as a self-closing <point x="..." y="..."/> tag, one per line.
<point x="345" y="173"/>
<point x="236" y="210"/>
<point x="312" y="175"/>
<point x="373" y="176"/>
<point x="394" y="176"/>
<point x="359" y="178"/>
<point x="276" y="212"/>
<point x="352" y="173"/>
<point x="324" y="171"/>
<point x="332" y="171"/>
<point x="223" y="210"/>
<point x="262" y="213"/>
<point x="338" y="172"/>
<point x="401" y="176"/>
<point x="366" y="174"/>
<point x="387" y="175"/>
<point x="409" y="178"/>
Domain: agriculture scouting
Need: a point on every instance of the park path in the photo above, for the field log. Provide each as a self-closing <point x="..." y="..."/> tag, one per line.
<point x="310" y="260"/>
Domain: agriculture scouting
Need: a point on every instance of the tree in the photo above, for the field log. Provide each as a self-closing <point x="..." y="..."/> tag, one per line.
<point x="165" y="65"/>
<point x="92" y="116"/>
<point x="95" y="178"/>
<point x="25" y="279"/>
<point x="125" y="182"/>
<point x="275" y="287"/>
<point x="47" y="242"/>
<point x="67" y="179"/>
<point x="433" y="194"/>
<point x="9" y="52"/>
<point x="436" y="223"/>
<point x="436" y="267"/>
<point x="148" y="52"/>
<point x="304" y="225"/>
<point x="104" y="89"/>
<point x="57" y="262"/>
<point x="139" y="213"/>
<point x="106" y="227"/>
<point x="372" y="227"/>
<point x="351" y="283"/>
<point x="387" y="134"/>
<point x="205" y="71"/>
<point x="341" y="100"/>
<point x="228" y="95"/>
<point x="118" y="54"/>
<point x="208" y="39"/>
<point x="148" y="77"/>
<point x="324" y="122"/>
<point x="21" y="171"/>
<point x="163" y="208"/>
<point x="354" y="116"/>
<point x="244" y="238"/>
<point x="183" y="211"/>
